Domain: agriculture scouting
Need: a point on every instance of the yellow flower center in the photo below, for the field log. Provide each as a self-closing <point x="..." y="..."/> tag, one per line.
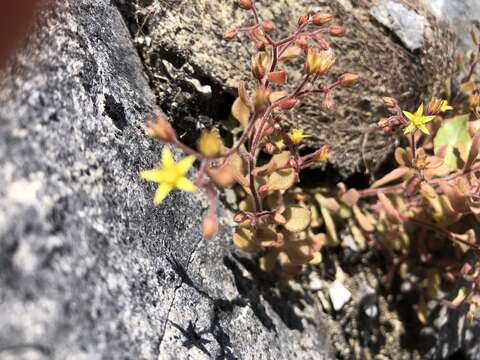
<point x="297" y="136"/>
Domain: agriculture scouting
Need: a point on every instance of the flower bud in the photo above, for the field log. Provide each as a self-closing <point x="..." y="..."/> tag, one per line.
<point x="288" y="104"/>
<point x="246" y="4"/>
<point x="322" y="43"/>
<point x="348" y="79"/>
<point x="278" y="77"/>
<point x="474" y="101"/>
<point x="209" y="226"/>
<point x="389" y="101"/>
<point x="260" y="62"/>
<point x="434" y="106"/>
<point x="292" y="162"/>
<point x="222" y="176"/>
<point x="322" y="154"/>
<point x="390" y="122"/>
<point x="260" y="45"/>
<point x="161" y="129"/>
<point x="328" y="102"/>
<point x="336" y="30"/>
<point x="268" y="26"/>
<point x="229" y="34"/>
<point x="470" y="317"/>
<point x="302" y="42"/>
<point x="303" y="19"/>
<point x="321" y="18"/>
<point x="466" y="269"/>
<point x="323" y="88"/>
<point x="210" y="144"/>
<point x="270" y="148"/>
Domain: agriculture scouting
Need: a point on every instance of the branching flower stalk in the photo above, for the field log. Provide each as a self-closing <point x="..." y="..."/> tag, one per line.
<point x="273" y="218"/>
<point x="435" y="197"/>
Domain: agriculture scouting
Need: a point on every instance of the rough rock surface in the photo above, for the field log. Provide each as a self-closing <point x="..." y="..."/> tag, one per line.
<point x="459" y="14"/>
<point x="89" y="268"/>
<point x="404" y="22"/>
<point x="181" y="40"/>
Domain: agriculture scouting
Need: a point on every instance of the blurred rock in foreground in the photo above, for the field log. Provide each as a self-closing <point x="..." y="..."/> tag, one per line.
<point x="89" y="268"/>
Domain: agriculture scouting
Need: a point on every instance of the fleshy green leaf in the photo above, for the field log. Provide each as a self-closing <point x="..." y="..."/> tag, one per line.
<point x="281" y="180"/>
<point x="452" y="132"/>
<point x="298" y="218"/>
<point x="241" y="112"/>
<point x="243" y="239"/>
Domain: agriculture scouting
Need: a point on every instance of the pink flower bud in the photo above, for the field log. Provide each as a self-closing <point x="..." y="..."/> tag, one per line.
<point x="336" y="30"/>
<point x="270" y="148"/>
<point x="246" y="4"/>
<point x="348" y="79"/>
<point x="230" y="34"/>
<point x="321" y="18"/>
<point x="161" y="129"/>
<point x="322" y="43"/>
<point x="268" y="26"/>
<point x="302" y="41"/>
<point x="209" y="226"/>
<point x="328" y="102"/>
<point x="289" y="103"/>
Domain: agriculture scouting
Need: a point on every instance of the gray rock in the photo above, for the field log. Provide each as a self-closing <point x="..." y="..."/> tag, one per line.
<point x="89" y="268"/>
<point x="448" y="333"/>
<point x="404" y="22"/>
<point x="460" y="14"/>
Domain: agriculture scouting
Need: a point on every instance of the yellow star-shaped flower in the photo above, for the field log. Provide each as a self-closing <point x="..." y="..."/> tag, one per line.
<point x="297" y="136"/>
<point x="418" y="121"/>
<point x="445" y="106"/>
<point x="170" y="175"/>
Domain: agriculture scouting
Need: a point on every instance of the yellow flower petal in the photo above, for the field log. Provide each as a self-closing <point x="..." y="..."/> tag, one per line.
<point x="420" y="110"/>
<point x="185" y="164"/>
<point x="409" y="128"/>
<point x="445" y="106"/>
<point x="161" y="193"/>
<point x="409" y="115"/>
<point x="167" y="158"/>
<point x="424" y="129"/>
<point x="185" y="185"/>
<point x="155" y="175"/>
<point x="426" y="119"/>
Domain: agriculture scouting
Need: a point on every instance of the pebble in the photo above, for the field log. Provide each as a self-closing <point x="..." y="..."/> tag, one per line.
<point x="339" y="295"/>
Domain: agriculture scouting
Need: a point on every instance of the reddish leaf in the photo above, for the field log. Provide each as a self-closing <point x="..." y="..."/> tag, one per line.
<point x="392" y="213"/>
<point x="396" y="174"/>
<point x="456" y="198"/>
<point x="362" y="220"/>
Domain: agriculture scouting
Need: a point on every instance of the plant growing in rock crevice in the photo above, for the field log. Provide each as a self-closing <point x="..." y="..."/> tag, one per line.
<point x="428" y="219"/>
<point x="274" y="217"/>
